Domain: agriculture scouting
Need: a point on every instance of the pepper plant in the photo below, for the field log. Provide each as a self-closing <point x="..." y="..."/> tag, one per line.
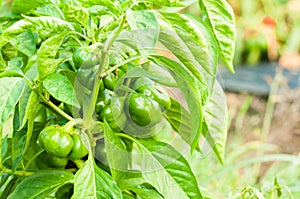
<point x="88" y="102"/>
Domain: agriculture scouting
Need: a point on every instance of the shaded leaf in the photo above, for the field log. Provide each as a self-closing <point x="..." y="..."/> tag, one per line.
<point x="179" y="118"/>
<point x="41" y="184"/>
<point x="30" y="110"/>
<point x="116" y="153"/>
<point x="216" y="121"/>
<point x="23" y="103"/>
<point x="190" y="87"/>
<point x="146" y="193"/>
<point x="145" y="30"/>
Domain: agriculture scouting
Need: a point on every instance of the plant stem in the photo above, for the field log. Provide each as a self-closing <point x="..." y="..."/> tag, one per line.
<point x="19" y="173"/>
<point x="103" y="64"/>
<point x="118" y="65"/>
<point x="54" y="107"/>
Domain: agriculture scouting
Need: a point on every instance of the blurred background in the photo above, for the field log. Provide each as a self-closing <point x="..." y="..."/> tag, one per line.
<point x="263" y="97"/>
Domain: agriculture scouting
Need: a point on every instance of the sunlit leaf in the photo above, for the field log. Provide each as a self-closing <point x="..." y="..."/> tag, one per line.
<point x="220" y="17"/>
<point x="92" y="182"/>
<point x="46" y="55"/>
<point x="168" y="171"/>
<point x="11" y="89"/>
<point x="60" y="88"/>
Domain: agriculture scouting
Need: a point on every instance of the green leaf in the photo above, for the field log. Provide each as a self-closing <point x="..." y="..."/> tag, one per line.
<point x="60" y="88"/>
<point x="106" y="3"/>
<point x="23" y="104"/>
<point x="41" y="184"/>
<point x="116" y="152"/>
<point x="146" y="193"/>
<point x="145" y="30"/>
<point x="167" y="170"/>
<point x="220" y="17"/>
<point x="76" y="14"/>
<point x="24" y="6"/>
<point x="18" y="142"/>
<point x="12" y="71"/>
<point x="11" y="89"/>
<point x="25" y="43"/>
<point x="180" y="120"/>
<point x="7" y="188"/>
<point x="133" y="178"/>
<point x="92" y="182"/>
<point x="216" y="121"/>
<point x="48" y="26"/>
<point x="193" y="44"/>
<point x="191" y="89"/>
<point x="13" y="30"/>
<point x="151" y="4"/>
<point x="31" y="107"/>
<point x="46" y="55"/>
<point x="49" y="10"/>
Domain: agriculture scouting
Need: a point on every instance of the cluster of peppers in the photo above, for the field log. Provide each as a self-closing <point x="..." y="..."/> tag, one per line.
<point x="139" y="110"/>
<point x="136" y="112"/>
<point x="60" y="145"/>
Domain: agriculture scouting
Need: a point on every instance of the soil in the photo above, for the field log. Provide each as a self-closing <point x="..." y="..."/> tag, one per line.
<point x="284" y="129"/>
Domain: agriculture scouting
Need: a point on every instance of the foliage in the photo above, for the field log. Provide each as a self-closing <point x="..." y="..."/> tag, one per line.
<point x="45" y="82"/>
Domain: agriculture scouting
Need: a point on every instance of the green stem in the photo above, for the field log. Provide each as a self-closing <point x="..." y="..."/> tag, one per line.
<point x="53" y="106"/>
<point x="30" y="161"/>
<point x="81" y="35"/>
<point x="114" y="36"/>
<point x="132" y="139"/>
<point x="19" y="173"/>
<point x="118" y="65"/>
<point x="79" y="163"/>
<point x="103" y="64"/>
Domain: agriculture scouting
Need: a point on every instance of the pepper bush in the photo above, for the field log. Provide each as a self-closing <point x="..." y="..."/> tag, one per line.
<point x="90" y="96"/>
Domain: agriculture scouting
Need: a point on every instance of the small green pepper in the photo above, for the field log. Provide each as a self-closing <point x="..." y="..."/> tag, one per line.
<point x="110" y="81"/>
<point x="55" y="141"/>
<point x="79" y="150"/>
<point x="86" y="57"/>
<point x="86" y="77"/>
<point x="114" y="114"/>
<point x="143" y="110"/>
<point x="153" y="90"/>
